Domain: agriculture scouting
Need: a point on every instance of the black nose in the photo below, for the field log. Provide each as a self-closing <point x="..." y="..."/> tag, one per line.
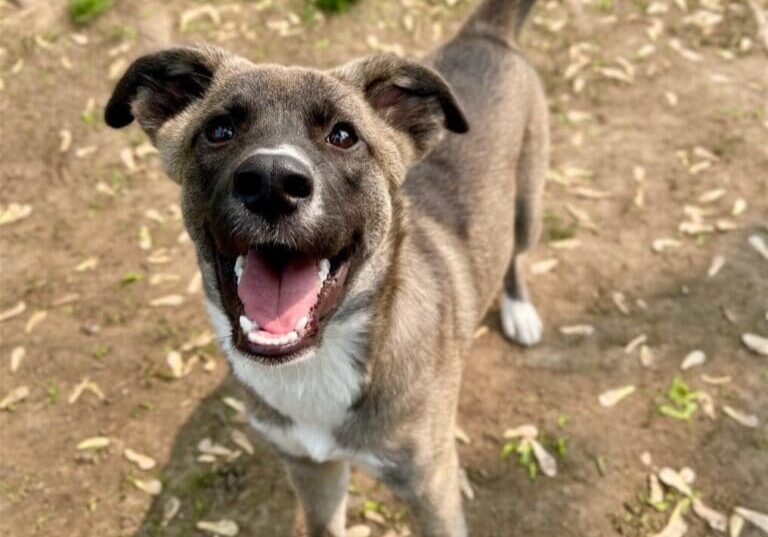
<point x="272" y="185"/>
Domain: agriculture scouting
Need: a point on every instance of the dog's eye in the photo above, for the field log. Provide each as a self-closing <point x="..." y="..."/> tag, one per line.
<point x="342" y="136"/>
<point x="220" y="130"/>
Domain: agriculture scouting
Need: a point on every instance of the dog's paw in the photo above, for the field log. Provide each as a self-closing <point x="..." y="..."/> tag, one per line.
<point x="520" y="321"/>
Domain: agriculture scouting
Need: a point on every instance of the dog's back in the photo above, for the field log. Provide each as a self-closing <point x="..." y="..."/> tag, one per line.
<point x="484" y="187"/>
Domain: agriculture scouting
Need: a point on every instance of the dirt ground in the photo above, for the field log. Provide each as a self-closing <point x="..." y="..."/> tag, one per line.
<point x="658" y="118"/>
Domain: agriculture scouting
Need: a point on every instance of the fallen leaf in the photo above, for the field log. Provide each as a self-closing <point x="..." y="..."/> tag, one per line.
<point x="714" y="268"/>
<point x="717" y="381"/>
<point x="65" y="136"/>
<point x="759" y="520"/>
<point x="170" y="510"/>
<point x="547" y="462"/>
<point x="755" y="343"/>
<point x="735" y="525"/>
<point x="673" y="479"/>
<point x="716" y="520"/>
<point x="142" y="461"/>
<point x="176" y="363"/>
<point x="153" y="487"/>
<point x="359" y="530"/>
<point x="87" y="264"/>
<point x="84" y="385"/>
<point x="523" y="431"/>
<point x="13" y="311"/>
<point x="635" y="343"/>
<point x="34" y="320"/>
<point x="758" y="243"/>
<point x="224" y="527"/>
<point x="747" y="420"/>
<point x="660" y="245"/>
<point x="235" y="404"/>
<point x="544" y="266"/>
<point x="647" y="358"/>
<point x="145" y="238"/>
<point x="656" y="493"/>
<point x="693" y="359"/>
<point x="241" y="440"/>
<point x="16" y="395"/>
<point x="461" y="436"/>
<point x="17" y="355"/>
<point x="465" y="485"/>
<point x="577" y="330"/>
<point x="14" y="212"/>
<point x="168" y="300"/>
<point x="613" y="397"/>
<point x="94" y="443"/>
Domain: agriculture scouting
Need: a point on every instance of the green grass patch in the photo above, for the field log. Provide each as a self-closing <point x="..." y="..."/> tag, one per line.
<point x="83" y="12"/>
<point x="681" y="403"/>
<point x="333" y="6"/>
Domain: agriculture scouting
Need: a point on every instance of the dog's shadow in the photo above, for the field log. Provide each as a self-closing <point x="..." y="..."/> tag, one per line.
<point x="251" y="490"/>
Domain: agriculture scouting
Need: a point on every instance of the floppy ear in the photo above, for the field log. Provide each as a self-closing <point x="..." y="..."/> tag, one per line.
<point x="410" y="97"/>
<point x="158" y="86"/>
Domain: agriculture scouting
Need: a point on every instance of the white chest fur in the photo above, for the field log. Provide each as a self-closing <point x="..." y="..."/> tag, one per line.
<point x="315" y="392"/>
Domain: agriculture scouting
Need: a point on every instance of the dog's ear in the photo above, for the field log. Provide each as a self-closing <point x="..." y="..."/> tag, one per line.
<point x="410" y="97"/>
<point x="158" y="86"/>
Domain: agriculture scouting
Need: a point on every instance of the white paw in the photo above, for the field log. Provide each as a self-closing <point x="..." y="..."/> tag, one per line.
<point x="520" y="321"/>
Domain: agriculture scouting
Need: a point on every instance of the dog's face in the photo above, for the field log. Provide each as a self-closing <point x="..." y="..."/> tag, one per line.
<point x="289" y="175"/>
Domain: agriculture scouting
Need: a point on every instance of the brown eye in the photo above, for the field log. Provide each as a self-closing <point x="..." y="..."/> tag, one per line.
<point x="342" y="136"/>
<point x="220" y="130"/>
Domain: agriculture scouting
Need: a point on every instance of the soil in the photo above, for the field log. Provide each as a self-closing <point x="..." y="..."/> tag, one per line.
<point x="90" y="202"/>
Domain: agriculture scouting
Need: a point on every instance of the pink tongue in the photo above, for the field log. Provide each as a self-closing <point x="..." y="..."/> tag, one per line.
<point x="275" y="299"/>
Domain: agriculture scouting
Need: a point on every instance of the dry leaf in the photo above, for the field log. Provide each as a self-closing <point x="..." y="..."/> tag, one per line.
<point x="620" y="301"/>
<point x="65" y="136"/>
<point x="759" y="520"/>
<point x="524" y="431"/>
<point x="153" y="487"/>
<point x="758" y="243"/>
<point x="84" y="385"/>
<point x="660" y="245"/>
<point x="465" y="485"/>
<point x="168" y="300"/>
<point x="224" y="528"/>
<point x="547" y="462"/>
<point x="693" y="359"/>
<point x="717" y="381"/>
<point x="755" y="343"/>
<point x="716" y="520"/>
<point x="241" y="440"/>
<point x="176" y="363"/>
<point x="739" y="207"/>
<point x="735" y="525"/>
<point x="87" y="264"/>
<point x="712" y="195"/>
<point x="14" y="212"/>
<point x="673" y="479"/>
<point x="577" y="330"/>
<point x="94" y="443"/>
<point x="34" y="320"/>
<point x="359" y="530"/>
<point x="145" y="238"/>
<point x="235" y="404"/>
<point x="656" y="494"/>
<point x="544" y="266"/>
<point x="16" y="395"/>
<point x="647" y="358"/>
<point x="13" y="311"/>
<point x="635" y="343"/>
<point x="170" y="510"/>
<point x="461" y="436"/>
<point x="142" y="461"/>
<point x="613" y="397"/>
<point x="17" y="355"/>
<point x="714" y="268"/>
<point x="747" y="420"/>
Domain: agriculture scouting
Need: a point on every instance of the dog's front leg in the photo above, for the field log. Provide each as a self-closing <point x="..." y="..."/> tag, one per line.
<point x="322" y="490"/>
<point x="433" y="493"/>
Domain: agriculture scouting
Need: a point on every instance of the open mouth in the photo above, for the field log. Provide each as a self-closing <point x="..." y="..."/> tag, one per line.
<point x="278" y="299"/>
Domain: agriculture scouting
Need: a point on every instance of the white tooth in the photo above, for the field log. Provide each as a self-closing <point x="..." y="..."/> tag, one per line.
<point x="324" y="267"/>
<point x="254" y="337"/>
<point x="291" y="337"/>
<point x="301" y="324"/>
<point x="246" y="324"/>
<point x="239" y="265"/>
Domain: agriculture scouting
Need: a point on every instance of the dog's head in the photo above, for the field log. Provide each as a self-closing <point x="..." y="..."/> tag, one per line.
<point x="288" y="175"/>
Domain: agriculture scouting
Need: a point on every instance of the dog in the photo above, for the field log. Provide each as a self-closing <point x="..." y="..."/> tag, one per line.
<point x="352" y="231"/>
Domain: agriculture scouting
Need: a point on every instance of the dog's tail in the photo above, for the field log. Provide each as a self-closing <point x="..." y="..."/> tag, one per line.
<point x="502" y="19"/>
